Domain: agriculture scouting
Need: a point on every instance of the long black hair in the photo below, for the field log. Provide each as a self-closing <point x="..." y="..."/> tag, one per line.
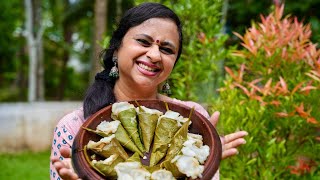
<point x="100" y="93"/>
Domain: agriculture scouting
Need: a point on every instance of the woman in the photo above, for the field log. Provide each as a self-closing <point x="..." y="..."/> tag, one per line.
<point x="142" y="53"/>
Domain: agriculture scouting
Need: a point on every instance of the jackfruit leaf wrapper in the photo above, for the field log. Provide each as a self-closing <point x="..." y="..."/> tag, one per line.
<point x="168" y="125"/>
<point x="106" y="128"/>
<point x="134" y="158"/>
<point x="177" y="142"/>
<point x="107" y="146"/>
<point x="124" y="139"/>
<point x="148" y="119"/>
<point x="126" y="113"/>
<point x="107" y="166"/>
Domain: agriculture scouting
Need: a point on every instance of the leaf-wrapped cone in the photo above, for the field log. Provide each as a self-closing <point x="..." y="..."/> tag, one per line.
<point x="107" y="166"/>
<point x="148" y="119"/>
<point x="124" y="139"/>
<point x="189" y="159"/>
<point x="126" y="113"/>
<point x="107" y="146"/>
<point x="105" y="129"/>
<point x="165" y="130"/>
<point x="177" y="142"/>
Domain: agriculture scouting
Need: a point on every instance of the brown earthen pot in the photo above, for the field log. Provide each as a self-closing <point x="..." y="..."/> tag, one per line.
<point x="200" y="125"/>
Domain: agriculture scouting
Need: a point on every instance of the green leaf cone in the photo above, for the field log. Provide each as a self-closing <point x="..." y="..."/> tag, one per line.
<point x="108" y="149"/>
<point x="164" y="133"/>
<point x="108" y="169"/>
<point x="125" y="140"/>
<point x="128" y="119"/>
<point x="177" y="142"/>
<point x="148" y="123"/>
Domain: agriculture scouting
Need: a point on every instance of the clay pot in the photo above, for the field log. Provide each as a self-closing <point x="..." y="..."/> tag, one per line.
<point x="200" y="125"/>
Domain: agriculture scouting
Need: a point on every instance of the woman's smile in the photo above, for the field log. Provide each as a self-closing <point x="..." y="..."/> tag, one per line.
<point x="147" y="68"/>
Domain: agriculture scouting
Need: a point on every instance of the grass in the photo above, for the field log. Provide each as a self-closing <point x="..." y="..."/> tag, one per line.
<point x="26" y="165"/>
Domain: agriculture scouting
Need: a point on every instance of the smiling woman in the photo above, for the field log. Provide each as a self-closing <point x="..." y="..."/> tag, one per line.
<point x="142" y="53"/>
<point x="144" y="63"/>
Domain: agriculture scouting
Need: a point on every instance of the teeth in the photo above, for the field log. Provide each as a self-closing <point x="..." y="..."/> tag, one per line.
<point x="146" y="67"/>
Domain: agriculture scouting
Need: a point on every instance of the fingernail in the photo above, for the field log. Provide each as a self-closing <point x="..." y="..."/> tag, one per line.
<point x="245" y="133"/>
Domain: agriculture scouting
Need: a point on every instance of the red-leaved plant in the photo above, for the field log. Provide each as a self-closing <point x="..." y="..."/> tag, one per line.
<point x="278" y="67"/>
<point x="278" y="49"/>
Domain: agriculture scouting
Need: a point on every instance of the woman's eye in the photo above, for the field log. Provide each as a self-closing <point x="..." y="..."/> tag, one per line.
<point x="143" y="42"/>
<point x="166" y="50"/>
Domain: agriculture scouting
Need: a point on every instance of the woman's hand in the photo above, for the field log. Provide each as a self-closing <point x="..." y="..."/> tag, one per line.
<point x="64" y="167"/>
<point x="229" y="142"/>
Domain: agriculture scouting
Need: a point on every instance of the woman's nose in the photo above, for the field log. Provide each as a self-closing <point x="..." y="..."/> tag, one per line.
<point x="154" y="53"/>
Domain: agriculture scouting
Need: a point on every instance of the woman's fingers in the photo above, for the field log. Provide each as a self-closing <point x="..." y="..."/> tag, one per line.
<point x="230" y="143"/>
<point x="215" y="118"/>
<point x="229" y="153"/>
<point x="65" y="152"/>
<point x="235" y="143"/>
<point x="68" y="174"/>
<point x="64" y="167"/>
<point x="58" y="165"/>
<point x="234" y="136"/>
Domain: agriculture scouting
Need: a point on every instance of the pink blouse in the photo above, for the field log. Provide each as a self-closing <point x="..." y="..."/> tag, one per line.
<point x="69" y="125"/>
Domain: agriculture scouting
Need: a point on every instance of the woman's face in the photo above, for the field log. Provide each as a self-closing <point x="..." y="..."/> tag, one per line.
<point x="148" y="52"/>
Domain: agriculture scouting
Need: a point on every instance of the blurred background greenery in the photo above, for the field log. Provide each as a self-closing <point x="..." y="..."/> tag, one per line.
<point x="68" y="41"/>
<point x="283" y="142"/>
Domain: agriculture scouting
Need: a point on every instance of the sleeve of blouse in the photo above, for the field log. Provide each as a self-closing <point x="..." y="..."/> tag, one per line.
<point x="63" y="135"/>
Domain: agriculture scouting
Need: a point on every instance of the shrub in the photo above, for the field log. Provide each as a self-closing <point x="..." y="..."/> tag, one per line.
<point x="272" y="91"/>
<point x="199" y="69"/>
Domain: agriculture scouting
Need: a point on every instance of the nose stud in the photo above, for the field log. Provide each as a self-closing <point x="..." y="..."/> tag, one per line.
<point x="157" y="41"/>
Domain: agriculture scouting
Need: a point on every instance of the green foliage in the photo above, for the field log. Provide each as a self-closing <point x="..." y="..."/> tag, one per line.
<point x="271" y="92"/>
<point x="13" y="71"/>
<point x="196" y="74"/>
<point x="26" y="165"/>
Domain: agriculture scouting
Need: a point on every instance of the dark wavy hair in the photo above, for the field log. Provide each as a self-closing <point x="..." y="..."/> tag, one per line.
<point x="100" y="93"/>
